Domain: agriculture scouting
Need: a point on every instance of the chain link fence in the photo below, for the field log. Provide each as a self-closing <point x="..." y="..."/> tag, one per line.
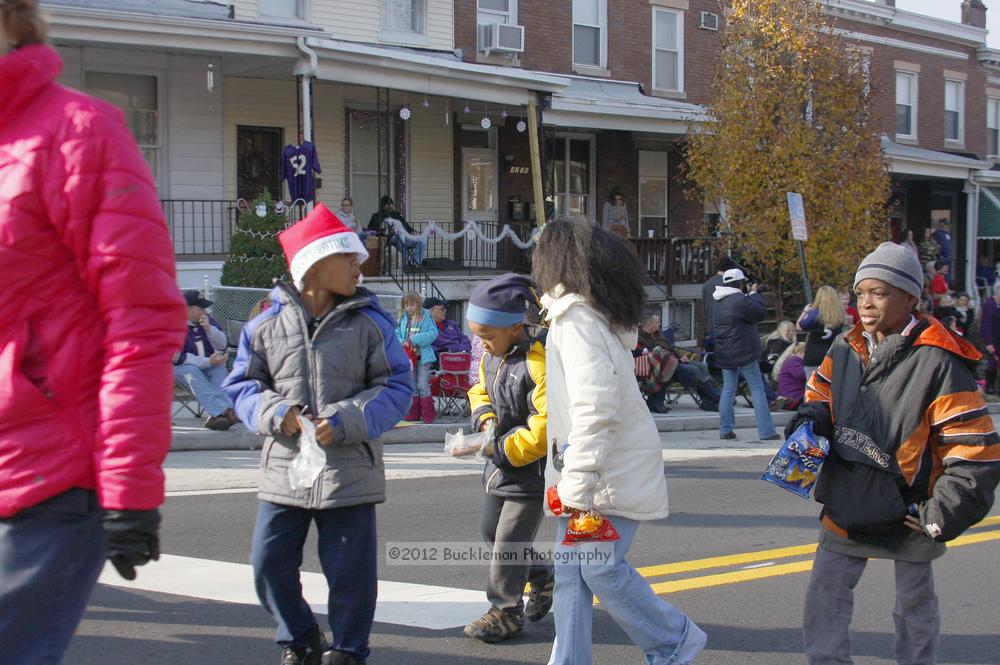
<point x="233" y="306"/>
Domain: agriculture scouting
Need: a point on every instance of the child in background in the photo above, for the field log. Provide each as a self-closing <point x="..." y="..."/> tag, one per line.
<point x="510" y="393"/>
<point x="417" y="332"/>
<point x="790" y="375"/>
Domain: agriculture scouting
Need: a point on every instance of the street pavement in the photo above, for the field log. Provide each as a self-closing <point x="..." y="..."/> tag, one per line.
<point x="734" y="554"/>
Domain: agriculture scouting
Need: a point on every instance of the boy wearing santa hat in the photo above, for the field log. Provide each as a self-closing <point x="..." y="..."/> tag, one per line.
<point x="325" y="351"/>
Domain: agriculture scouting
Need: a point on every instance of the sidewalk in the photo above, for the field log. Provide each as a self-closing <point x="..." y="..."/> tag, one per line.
<point x="189" y="433"/>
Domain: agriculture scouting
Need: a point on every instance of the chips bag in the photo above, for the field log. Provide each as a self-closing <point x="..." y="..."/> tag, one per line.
<point x="552" y="497"/>
<point x="796" y="465"/>
<point x="589" y="526"/>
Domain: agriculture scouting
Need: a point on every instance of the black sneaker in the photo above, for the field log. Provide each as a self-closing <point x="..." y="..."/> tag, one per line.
<point x="308" y="655"/>
<point x="728" y="436"/>
<point x="495" y="626"/>
<point x="218" y="423"/>
<point x="539" y="601"/>
<point x="333" y="657"/>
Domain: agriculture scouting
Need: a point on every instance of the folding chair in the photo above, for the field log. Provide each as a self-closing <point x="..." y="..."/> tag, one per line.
<point x="450" y="384"/>
<point x="183" y="395"/>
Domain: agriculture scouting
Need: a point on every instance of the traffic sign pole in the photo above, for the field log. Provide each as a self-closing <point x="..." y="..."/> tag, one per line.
<point x="805" y="272"/>
<point x="797" y="214"/>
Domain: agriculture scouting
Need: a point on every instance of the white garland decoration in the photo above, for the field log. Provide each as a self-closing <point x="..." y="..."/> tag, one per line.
<point x="471" y="231"/>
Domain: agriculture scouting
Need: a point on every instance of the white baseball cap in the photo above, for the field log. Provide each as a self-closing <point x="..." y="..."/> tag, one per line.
<point x="733" y="275"/>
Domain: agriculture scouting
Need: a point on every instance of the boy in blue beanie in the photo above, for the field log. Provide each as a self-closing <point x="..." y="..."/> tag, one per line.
<point x="510" y="392"/>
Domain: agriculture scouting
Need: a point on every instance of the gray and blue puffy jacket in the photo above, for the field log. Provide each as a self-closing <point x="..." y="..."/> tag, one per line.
<point x="351" y="370"/>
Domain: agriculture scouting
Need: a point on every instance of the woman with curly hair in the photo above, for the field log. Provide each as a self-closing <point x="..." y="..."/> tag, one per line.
<point x="604" y="451"/>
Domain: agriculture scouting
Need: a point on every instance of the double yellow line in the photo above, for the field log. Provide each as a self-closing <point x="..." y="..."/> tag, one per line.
<point x="767" y="567"/>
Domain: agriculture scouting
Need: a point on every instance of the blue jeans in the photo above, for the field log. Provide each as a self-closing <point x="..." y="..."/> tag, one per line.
<point x="347" y="551"/>
<point x="418" y="248"/>
<point x="50" y="557"/>
<point x="754" y="379"/>
<point x="205" y="385"/>
<point x="664" y="633"/>
<point x="423" y="379"/>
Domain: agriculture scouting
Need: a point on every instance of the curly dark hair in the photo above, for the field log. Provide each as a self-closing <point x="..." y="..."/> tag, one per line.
<point x="593" y="263"/>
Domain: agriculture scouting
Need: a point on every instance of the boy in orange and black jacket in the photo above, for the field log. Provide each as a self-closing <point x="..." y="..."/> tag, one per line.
<point x="511" y="394"/>
<point x="914" y="458"/>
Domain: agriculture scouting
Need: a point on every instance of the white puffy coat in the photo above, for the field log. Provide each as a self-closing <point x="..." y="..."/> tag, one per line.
<point x="613" y="462"/>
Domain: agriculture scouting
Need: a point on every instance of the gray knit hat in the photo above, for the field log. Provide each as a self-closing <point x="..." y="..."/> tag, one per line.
<point x="895" y="265"/>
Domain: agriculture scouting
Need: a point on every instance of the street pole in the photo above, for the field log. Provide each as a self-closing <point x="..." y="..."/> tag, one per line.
<point x="805" y="272"/>
<point x="536" y="163"/>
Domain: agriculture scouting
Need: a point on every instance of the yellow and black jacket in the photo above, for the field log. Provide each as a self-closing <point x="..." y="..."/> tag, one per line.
<point x="512" y="390"/>
<point x="907" y="426"/>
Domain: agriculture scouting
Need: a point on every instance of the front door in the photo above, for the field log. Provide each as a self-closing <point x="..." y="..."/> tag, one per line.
<point x="479" y="185"/>
<point x="258" y="162"/>
<point x="479" y="204"/>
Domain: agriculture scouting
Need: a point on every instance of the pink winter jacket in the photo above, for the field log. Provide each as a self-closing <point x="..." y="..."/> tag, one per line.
<point x="91" y="313"/>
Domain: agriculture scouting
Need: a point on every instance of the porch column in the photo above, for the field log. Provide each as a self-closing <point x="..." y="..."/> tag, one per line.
<point x="971" y="191"/>
<point x="305" y="94"/>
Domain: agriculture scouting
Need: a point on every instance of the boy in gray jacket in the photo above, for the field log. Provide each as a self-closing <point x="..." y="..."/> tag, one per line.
<point x="323" y="350"/>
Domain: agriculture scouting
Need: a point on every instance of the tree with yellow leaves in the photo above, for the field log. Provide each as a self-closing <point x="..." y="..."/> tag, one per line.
<point x="790" y="112"/>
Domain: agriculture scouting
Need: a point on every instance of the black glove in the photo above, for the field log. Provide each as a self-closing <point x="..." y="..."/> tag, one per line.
<point x="818" y="413"/>
<point x="132" y="540"/>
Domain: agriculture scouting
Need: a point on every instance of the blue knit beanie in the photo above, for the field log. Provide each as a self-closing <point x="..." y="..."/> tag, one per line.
<point x="502" y="301"/>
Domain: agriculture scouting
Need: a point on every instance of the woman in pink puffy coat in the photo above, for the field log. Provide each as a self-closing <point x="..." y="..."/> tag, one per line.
<point x="91" y="319"/>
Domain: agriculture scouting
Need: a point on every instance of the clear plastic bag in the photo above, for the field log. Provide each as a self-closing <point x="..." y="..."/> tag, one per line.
<point x="308" y="463"/>
<point x="470" y="446"/>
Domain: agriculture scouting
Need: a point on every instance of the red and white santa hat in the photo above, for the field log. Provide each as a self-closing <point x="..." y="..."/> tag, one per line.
<point x="318" y="235"/>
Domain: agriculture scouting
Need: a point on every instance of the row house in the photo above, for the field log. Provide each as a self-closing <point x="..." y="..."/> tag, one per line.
<point x="428" y="101"/>
<point x="640" y="70"/>
<point x="214" y="92"/>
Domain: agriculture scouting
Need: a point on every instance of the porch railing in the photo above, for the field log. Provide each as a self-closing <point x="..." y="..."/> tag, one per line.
<point x="671" y="261"/>
<point x="204" y="227"/>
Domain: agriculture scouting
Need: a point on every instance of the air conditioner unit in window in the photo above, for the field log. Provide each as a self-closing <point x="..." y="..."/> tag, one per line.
<point x="501" y="38"/>
<point x="709" y="21"/>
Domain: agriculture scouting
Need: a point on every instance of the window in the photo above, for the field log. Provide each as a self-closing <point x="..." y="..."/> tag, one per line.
<point x="953" y="107"/>
<point x="497" y="11"/>
<point x="573" y="175"/>
<point x="282" y="8"/>
<point x="906" y="105"/>
<point x="403" y="16"/>
<point x="589" y="32"/>
<point x="668" y="50"/>
<point x="653" y="180"/>
<point x="364" y="149"/>
<point x="137" y="96"/>
<point x="681" y="313"/>
<point x="993" y="126"/>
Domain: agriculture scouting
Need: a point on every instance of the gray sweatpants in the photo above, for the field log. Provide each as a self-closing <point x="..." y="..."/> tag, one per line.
<point x="830" y="603"/>
<point x="507" y="524"/>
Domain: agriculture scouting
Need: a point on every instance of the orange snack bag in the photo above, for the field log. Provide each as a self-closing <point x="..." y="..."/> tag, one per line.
<point x="589" y="526"/>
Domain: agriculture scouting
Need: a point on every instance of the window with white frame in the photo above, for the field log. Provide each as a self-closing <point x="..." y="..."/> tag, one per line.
<point x="906" y="105"/>
<point x="590" y="32"/>
<point x="283" y="8"/>
<point x="668" y="50"/>
<point x="993" y="126"/>
<point x="497" y="11"/>
<point x="954" y="106"/>
<point x="403" y="15"/>
<point x="573" y="174"/>
<point x="137" y="95"/>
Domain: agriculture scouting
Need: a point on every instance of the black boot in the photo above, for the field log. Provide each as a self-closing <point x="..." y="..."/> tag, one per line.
<point x="308" y="655"/>
<point x="655" y="401"/>
<point x="991" y="382"/>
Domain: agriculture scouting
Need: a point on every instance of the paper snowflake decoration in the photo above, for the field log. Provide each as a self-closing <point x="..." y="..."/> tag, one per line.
<point x="404" y="113"/>
<point x="486" y="123"/>
<point x="521" y="126"/>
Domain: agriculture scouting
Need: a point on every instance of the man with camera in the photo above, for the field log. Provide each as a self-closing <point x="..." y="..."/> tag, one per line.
<point x="737" y="310"/>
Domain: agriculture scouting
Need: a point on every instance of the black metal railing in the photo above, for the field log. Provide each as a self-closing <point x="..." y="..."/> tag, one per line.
<point x="202" y="227"/>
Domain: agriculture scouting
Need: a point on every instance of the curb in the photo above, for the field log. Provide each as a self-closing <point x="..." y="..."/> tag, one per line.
<point x="239" y="438"/>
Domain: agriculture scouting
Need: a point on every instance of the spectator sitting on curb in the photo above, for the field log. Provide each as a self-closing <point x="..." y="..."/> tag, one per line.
<point x="688" y="373"/>
<point x="201" y="364"/>
<point x="450" y="337"/>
